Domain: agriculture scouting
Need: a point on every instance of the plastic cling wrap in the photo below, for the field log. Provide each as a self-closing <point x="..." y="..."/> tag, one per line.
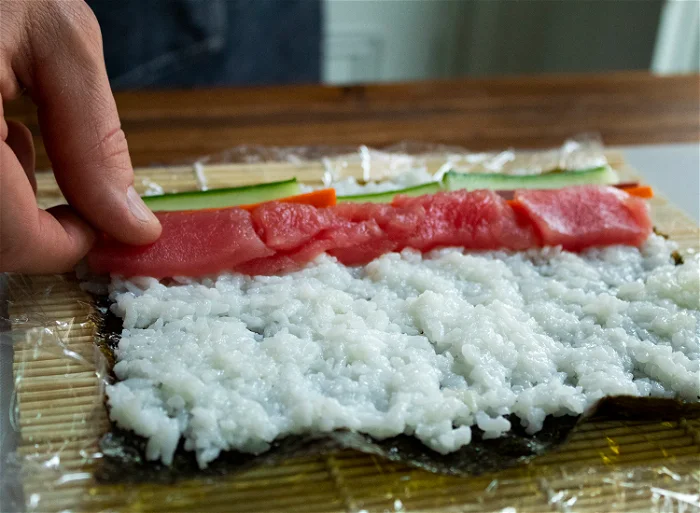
<point x="404" y="164"/>
<point x="648" y="460"/>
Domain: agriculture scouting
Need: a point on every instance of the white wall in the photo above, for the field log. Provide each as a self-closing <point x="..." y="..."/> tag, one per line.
<point x="389" y="40"/>
<point x="678" y="42"/>
<point x="394" y="40"/>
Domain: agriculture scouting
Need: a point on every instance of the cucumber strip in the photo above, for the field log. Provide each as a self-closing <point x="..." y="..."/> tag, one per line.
<point x="387" y="196"/>
<point x="221" y="198"/>
<point x="603" y="175"/>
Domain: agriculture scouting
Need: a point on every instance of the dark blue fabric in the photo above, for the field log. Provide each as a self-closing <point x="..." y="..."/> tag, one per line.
<point x="204" y="43"/>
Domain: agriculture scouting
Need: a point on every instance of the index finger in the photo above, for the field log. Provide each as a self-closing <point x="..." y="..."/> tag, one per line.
<point x="78" y="117"/>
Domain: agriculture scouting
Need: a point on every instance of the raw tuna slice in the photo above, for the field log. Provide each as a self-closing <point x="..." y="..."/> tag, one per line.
<point x="278" y="238"/>
<point x="474" y="220"/>
<point x="280" y="263"/>
<point x="352" y="243"/>
<point x="585" y="216"/>
<point x="360" y="243"/>
<point x="192" y="244"/>
<point x="286" y="226"/>
<point x="286" y="261"/>
<point x="357" y="212"/>
<point x="398" y="224"/>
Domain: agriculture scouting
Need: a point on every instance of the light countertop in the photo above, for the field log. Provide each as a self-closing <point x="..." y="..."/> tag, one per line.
<point x="673" y="170"/>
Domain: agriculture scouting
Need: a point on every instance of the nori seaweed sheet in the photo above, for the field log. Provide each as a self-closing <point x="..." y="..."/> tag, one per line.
<point x="124" y="458"/>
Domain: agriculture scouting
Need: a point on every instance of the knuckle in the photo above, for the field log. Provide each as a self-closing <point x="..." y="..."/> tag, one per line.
<point x="83" y="19"/>
<point x="68" y="23"/>
<point x="13" y="46"/>
<point x="66" y="13"/>
<point x="113" y="146"/>
<point x="110" y="153"/>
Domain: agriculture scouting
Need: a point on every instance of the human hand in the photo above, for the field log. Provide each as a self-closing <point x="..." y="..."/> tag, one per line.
<point x="53" y="48"/>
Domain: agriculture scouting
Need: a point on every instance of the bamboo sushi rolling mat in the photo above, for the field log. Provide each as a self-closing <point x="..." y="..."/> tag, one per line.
<point x="607" y="465"/>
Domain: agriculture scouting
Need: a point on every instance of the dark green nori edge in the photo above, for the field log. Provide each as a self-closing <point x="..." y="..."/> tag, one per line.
<point x="677" y="258"/>
<point x="660" y="234"/>
<point x="109" y="328"/>
<point x="124" y="452"/>
<point x="124" y="460"/>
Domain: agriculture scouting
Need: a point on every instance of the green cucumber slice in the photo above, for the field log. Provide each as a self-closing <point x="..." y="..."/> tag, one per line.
<point x="603" y="175"/>
<point x="221" y="198"/>
<point x="386" y="197"/>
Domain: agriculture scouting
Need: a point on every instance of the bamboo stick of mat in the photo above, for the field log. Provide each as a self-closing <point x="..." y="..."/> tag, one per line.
<point x="185" y="178"/>
<point x="621" y="465"/>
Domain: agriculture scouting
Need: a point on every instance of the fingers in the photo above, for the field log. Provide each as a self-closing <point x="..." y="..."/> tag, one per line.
<point x="33" y="240"/>
<point x="20" y="141"/>
<point x="80" y="124"/>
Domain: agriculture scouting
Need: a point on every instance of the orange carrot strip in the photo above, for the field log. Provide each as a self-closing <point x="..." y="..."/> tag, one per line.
<point x="640" y="191"/>
<point x="327" y="197"/>
<point x="321" y="198"/>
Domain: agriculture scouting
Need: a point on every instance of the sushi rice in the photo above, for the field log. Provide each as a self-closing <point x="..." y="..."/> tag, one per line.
<point x="433" y="346"/>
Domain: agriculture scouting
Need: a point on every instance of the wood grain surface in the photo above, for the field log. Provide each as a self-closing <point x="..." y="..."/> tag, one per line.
<point x="522" y="112"/>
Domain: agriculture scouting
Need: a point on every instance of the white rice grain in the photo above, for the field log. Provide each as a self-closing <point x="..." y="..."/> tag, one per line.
<point x="431" y="346"/>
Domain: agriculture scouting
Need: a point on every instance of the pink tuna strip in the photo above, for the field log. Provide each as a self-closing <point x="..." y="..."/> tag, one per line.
<point x="281" y="237"/>
<point x="194" y="244"/>
<point x="577" y="218"/>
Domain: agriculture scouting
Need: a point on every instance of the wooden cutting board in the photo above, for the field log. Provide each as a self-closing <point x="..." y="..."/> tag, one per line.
<point x="622" y="465"/>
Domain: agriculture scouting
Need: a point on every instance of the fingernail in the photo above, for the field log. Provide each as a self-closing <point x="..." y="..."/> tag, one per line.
<point x="138" y="207"/>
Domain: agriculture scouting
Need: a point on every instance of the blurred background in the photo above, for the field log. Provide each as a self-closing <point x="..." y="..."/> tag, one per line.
<point x="204" y="43"/>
